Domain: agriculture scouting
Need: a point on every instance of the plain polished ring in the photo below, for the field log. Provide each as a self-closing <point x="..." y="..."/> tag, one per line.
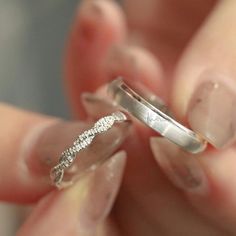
<point x="155" y="117"/>
<point x="68" y="157"/>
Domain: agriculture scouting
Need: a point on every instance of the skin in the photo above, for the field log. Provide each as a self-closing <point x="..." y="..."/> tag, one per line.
<point x="164" y="51"/>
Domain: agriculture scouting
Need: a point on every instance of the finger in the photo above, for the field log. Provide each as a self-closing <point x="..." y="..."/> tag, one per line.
<point x="31" y="145"/>
<point x="160" y="209"/>
<point x="97" y="27"/>
<point x="205" y="94"/>
<point x="81" y="209"/>
<point x="162" y="27"/>
<point x="140" y="69"/>
<point x="206" y="180"/>
<point x="136" y="188"/>
<point x="205" y="87"/>
<point x="136" y="65"/>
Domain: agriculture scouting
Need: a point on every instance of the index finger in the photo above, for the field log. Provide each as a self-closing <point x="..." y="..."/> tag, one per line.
<point x="31" y="144"/>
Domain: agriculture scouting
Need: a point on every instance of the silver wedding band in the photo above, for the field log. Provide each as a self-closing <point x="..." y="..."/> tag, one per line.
<point x="155" y="117"/>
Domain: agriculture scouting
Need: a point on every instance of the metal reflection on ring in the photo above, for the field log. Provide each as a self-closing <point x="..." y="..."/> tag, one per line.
<point x="156" y="116"/>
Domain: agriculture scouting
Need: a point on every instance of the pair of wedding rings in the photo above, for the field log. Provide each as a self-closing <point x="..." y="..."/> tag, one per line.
<point x="152" y="113"/>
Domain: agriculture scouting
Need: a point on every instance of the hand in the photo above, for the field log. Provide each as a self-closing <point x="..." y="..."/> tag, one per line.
<point x="30" y="145"/>
<point x="184" y="51"/>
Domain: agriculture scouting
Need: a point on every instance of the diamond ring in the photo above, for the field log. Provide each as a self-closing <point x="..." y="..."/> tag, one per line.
<point x="155" y="116"/>
<point x="68" y="157"/>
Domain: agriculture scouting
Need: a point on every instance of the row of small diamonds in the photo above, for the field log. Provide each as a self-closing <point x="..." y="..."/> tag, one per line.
<point x="85" y="139"/>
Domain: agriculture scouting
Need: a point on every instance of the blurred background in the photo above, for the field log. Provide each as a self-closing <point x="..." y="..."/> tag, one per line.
<point x="32" y="39"/>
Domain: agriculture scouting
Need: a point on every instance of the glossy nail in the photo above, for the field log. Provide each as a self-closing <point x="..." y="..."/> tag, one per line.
<point x="122" y="61"/>
<point x="58" y="208"/>
<point x="50" y="141"/>
<point x="212" y="113"/>
<point x="101" y="193"/>
<point x="90" y="13"/>
<point x="183" y="169"/>
<point x="80" y="208"/>
<point x="97" y="106"/>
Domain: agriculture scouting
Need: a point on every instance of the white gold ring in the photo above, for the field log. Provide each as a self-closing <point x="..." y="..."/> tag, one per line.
<point x="155" y="117"/>
<point x="68" y="157"/>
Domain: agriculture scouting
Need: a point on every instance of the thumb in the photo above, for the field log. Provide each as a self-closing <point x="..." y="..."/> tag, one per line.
<point x="204" y="94"/>
<point x="205" y="85"/>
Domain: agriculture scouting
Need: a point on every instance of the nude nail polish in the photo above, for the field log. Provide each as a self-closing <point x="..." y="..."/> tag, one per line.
<point x="97" y="106"/>
<point x="182" y="169"/>
<point x="101" y="194"/>
<point x="53" y="139"/>
<point x="212" y="113"/>
<point x="79" y="209"/>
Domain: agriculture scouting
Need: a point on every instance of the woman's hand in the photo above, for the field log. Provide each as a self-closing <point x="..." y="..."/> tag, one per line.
<point x="185" y="52"/>
<point x="172" y="47"/>
<point x="30" y="146"/>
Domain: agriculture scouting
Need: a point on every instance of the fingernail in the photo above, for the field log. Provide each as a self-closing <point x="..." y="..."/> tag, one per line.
<point x="50" y="141"/>
<point x="122" y="62"/>
<point x="81" y="208"/>
<point x="183" y="169"/>
<point x="91" y="17"/>
<point x="90" y="12"/>
<point x="136" y="64"/>
<point x="91" y="9"/>
<point x="100" y="197"/>
<point x="212" y="113"/>
<point x="97" y="106"/>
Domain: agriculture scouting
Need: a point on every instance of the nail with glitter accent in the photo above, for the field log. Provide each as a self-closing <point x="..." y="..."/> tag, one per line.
<point x="212" y="113"/>
<point x="183" y="169"/>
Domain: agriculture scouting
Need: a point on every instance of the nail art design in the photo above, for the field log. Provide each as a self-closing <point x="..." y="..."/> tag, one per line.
<point x="181" y="168"/>
<point x="212" y="113"/>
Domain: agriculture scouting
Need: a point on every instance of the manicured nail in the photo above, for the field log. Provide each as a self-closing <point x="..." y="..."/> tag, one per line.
<point x="122" y="62"/>
<point x="97" y="106"/>
<point x="212" y="113"/>
<point x="58" y="208"/>
<point x="136" y="64"/>
<point x="81" y="208"/>
<point x="183" y="170"/>
<point x="122" y="54"/>
<point x="92" y="9"/>
<point x="90" y="13"/>
<point x="50" y="141"/>
<point x="101" y="194"/>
